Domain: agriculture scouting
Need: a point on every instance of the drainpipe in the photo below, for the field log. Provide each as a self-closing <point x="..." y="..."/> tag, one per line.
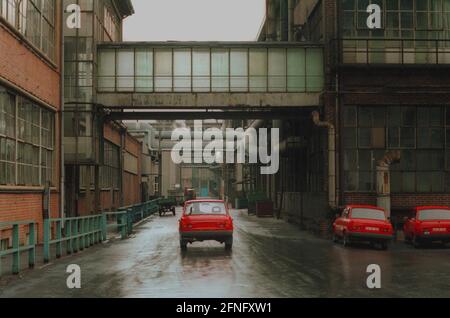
<point x="331" y="158"/>
<point x="61" y="145"/>
<point x="384" y="179"/>
<point x="291" y="24"/>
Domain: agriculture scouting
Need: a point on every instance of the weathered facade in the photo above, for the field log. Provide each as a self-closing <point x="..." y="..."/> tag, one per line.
<point x="101" y="158"/>
<point x="30" y="112"/>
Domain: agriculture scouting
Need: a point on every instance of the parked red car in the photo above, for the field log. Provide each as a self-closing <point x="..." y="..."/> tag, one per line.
<point x="206" y="220"/>
<point x="428" y="224"/>
<point x="363" y="223"/>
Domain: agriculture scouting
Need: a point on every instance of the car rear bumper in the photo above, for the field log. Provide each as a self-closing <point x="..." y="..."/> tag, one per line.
<point x="371" y="237"/>
<point x="220" y="236"/>
<point x="434" y="237"/>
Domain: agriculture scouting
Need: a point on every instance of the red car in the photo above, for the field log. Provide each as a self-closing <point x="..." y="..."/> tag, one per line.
<point x="363" y="223"/>
<point x="428" y="224"/>
<point x="206" y="220"/>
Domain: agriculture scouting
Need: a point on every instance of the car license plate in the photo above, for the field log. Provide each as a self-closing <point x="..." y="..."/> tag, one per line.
<point x="373" y="229"/>
<point x="440" y="230"/>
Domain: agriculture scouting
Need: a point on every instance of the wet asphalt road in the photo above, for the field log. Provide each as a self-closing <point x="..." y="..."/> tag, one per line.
<point x="270" y="258"/>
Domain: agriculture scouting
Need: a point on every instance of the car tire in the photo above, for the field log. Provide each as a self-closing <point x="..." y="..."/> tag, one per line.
<point x="335" y="238"/>
<point x="384" y="246"/>
<point x="416" y="243"/>
<point x="345" y="240"/>
<point x="229" y="245"/>
<point x="183" y="245"/>
<point x="408" y="240"/>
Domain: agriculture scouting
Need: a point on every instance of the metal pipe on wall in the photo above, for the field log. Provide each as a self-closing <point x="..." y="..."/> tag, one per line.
<point x="291" y="21"/>
<point x="331" y="157"/>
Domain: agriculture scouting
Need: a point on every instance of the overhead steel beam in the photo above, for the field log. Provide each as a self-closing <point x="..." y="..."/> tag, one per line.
<point x="193" y="115"/>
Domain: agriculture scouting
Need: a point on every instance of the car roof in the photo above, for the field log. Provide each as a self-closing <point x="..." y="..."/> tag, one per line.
<point x="206" y="200"/>
<point x="362" y="206"/>
<point x="431" y="207"/>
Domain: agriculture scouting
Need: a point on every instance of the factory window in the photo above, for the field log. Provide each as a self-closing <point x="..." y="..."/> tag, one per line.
<point x="35" y="19"/>
<point x="26" y="142"/>
<point x="418" y="132"/>
<point x="401" y="19"/>
<point x="109" y="172"/>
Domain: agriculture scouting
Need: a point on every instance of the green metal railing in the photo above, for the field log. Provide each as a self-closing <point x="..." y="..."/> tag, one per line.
<point x="79" y="233"/>
<point x="82" y="232"/>
<point x="17" y="249"/>
<point x="71" y="235"/>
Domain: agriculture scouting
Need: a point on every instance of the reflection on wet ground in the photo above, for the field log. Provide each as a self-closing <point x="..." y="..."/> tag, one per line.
<point x="270" y="258"/>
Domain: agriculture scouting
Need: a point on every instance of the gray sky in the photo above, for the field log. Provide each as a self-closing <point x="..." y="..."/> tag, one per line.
<point x="195" y="20"/>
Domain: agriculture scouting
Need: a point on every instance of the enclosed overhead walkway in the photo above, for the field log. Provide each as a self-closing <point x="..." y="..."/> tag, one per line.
<point x="209" y="75"/>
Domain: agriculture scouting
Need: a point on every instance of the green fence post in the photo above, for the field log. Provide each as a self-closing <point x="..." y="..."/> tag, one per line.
<point x="82" y="231"/>
<point x="69" y="237"/>
<point x="16" y="249"/>
<point x="123" y="225"/>
<point x="130" y="219"/>
<point x="104" y="227"/>
<point x="58" y="239"/>
<point x="47" y="238"/>
<point x="89" y="231"/>
<point x="0" y="254"/>
<point x="76" y="238"/>
<point x="95" y="229"/>
<point x="32" y="244"/>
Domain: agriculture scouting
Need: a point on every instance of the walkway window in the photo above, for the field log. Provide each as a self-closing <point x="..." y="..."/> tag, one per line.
<point x="26" y="148"/>
<point x="220" y="60"/>
<point x="205" y="69"/>
<point x="144" y="70"/>
<point x="277" y="70"/>
<point x="182" y="63"/>
<point x="163" y="70"/>
<point x="239" y="70"/>
<point x="125" y="71"/>
<point x="201" y="67"/>
<point x="258" y="70"/>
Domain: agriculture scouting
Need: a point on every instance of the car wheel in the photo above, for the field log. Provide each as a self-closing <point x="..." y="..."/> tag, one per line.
<point x="416" y="242"/>
<point x="229" y="245"/>
<point x="346" y="240"/>
<point x="335" y="238"/>
<point x="384" y="246"/>
<point x="183" y="245"/>
<point x="408" y="240"/>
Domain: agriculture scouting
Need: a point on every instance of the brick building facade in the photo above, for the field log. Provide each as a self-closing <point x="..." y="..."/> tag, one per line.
<point x="30" y="117"/>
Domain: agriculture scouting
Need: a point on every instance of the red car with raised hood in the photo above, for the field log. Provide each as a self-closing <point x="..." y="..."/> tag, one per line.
<point x="364" y="223"/>
<point x="206" y="220"/>
<point x="428" y="224"/>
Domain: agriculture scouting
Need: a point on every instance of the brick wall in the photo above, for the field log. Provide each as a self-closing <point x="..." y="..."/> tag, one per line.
<point x="24" y="68"/>
<point x="25" y="207"/>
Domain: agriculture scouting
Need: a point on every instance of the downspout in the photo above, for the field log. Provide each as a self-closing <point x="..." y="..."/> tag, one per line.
<point x="291" y="22"/>
<point x="62" y="108"/>
<point x="331" y="158"/>
<point x="384" y="179"/>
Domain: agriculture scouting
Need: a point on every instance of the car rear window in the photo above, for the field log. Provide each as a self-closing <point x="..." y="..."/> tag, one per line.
<point x="202" y="208"/>
<point x="434" y="214"/>
<point x="370" y="214"/>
